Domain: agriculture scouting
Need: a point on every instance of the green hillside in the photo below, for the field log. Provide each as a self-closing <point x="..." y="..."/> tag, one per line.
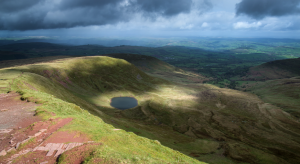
<point x="173" y="123"/>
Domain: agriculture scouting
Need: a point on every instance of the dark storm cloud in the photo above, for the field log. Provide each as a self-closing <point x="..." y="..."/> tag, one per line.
<point x="164" y="7"/>
<point x="70" y="4"/>
<point x="51" y="14"/>
<point x="259" y="9"/>
<point x="8" y="6"/>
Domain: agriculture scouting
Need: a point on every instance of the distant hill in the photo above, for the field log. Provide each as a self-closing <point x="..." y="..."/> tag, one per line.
<point x="79" y="41"/>
<point x="30" y="50"/>
<point x="41" y="49"/>
<point x="8" y="41"/>
<point x="275" y="70"/>
<point x="32" y="45"/>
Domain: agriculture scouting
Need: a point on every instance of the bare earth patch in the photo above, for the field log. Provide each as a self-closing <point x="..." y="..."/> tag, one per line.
<point x="16" y="112"/>
<point x="24" y="138"/>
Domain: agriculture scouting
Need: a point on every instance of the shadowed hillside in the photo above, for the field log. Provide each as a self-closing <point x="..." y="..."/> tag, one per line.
<point x="207" y="123"/>
<point x="275" y="70"/>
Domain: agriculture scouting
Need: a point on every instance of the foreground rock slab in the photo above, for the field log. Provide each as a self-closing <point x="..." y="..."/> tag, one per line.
<point x="3" y="153"/>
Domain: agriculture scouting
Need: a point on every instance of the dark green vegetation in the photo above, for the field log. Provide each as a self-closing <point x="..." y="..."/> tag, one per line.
<point x="223" y="60"/>
<point x="208" y="123"/>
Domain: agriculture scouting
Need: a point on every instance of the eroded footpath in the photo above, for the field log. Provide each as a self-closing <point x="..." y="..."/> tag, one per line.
<point x="26" y="138"/>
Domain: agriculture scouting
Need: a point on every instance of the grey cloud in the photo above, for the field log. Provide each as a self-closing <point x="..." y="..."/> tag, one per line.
<point x="52" y="14"/>
<point x="259" y="9"/>
<point x="9" y="6"/>
<point x="203" y="5"/>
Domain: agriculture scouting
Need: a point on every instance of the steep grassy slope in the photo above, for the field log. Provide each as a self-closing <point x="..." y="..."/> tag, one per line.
<point x="206" y="122"/>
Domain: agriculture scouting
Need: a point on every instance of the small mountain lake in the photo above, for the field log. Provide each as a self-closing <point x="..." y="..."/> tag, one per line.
<point x="123" y="103"/>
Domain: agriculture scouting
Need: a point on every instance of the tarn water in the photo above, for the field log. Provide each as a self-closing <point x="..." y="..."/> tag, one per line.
<point x="123" y="103"/>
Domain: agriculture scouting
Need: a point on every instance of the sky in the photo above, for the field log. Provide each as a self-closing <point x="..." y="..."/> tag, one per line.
<point x="150" y="18"/>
